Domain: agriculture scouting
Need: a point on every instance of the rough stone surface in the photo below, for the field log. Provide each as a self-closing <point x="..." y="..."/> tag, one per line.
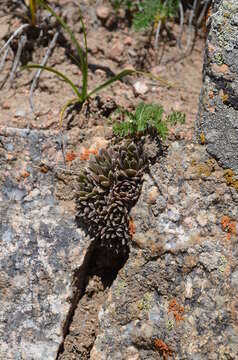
<point x="176" y="297"/>
<point x="40" y="247"/>
<point x="217" y="121"/>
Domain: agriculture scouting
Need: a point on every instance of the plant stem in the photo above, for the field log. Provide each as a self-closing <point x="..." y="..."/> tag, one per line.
<point x="33" y="7"/>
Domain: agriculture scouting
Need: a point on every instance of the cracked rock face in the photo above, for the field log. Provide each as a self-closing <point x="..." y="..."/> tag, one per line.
<point x="217" y="121"/>
<point x="177" y="294"/>
<point x="40" y="244"/>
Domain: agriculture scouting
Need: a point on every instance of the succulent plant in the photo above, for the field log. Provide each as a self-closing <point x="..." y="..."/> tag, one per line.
<point x="108" y="188"/>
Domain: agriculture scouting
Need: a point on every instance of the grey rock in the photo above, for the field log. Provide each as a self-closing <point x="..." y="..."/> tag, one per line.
<point x="180" y="283"/>
<point x="234" y="280"/>
<point x="40" y="248"/>
<point x="217" y="120"/>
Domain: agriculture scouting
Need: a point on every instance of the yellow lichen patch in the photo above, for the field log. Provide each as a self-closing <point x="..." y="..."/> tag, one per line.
<point x="224" y="98"/>
<point x="206" y="168"/>
<point x="202" y="138"/>
<point x="145" y="304"/>
<point x="211" y="162"/>
<point x="231" y="179"/>
<point x="120" y="288"/>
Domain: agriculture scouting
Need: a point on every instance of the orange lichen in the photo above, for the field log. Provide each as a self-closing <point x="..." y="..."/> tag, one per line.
<point x="202" y="138"/>
<point x="25" y="174"/>
<point x="132" y="228"/>
<point x="44" y="169"/>
<point x="208" y="14"/>
<point x="70" y="156"/>
<point x="229" y="226"/>
<point x="232" y="227"/>
<point x="176" y="309"/>
<point x="163" y="348"/>
<point x="85" y="154"/>
<point x="225" y="221"/>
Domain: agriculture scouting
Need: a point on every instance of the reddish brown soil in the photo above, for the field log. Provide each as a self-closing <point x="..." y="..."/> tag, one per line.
<point x="185" y="75"/>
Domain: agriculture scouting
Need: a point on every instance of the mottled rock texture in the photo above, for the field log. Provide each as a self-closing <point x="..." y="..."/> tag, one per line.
<point x="217" y="121"/>
<point x="177" y="295"/>
<point x="40" y="247"/>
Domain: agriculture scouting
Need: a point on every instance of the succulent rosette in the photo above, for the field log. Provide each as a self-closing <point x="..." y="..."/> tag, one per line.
<point x="108" y="188"/>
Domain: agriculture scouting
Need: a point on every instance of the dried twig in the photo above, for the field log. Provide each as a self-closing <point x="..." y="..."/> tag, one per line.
<point x="20" y="48"/>
<point x="158" y="30"/>
<point x="38" y="72"/>
<point x="2" y="63"/>
<point x="203" y="12"/>
<point x="62" y="147"/>
<point x="190" y="22"/>
<point x="181" y="18"/>
<point x="17" y="32"/>
<point x="157" y="35"/>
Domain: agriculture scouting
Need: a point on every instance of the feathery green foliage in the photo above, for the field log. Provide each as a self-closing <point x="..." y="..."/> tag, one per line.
<point x="151" y="11"/>
<point x="129" y="5"/>
<point x="144" y="117"/>
<point x="176" y="117"/>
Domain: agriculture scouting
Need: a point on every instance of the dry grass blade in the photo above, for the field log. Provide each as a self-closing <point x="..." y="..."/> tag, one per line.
<point x="38" y="73"/>
<point x="17" y="32"/>
<point x="59" y="74"/>
<point x="82" y="55"/>
<point x="16" y="62"/>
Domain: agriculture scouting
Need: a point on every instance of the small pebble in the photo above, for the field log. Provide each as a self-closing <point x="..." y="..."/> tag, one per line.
<point x="103" y="12"/>
<point x="20" y="113"/>
<point x="128" y="41"/>
<point x="202" y="219"/>
<point x="152" y="195"/>
<point x="116" y="51"/>
<point x="140" y="88"/>
<point x="6" y="105"/>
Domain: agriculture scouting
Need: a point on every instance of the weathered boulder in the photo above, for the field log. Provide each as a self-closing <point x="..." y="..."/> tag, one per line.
<point x="217" y="121"/>
<point x="177" y="295"/>
<point x="40" y="247"/>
